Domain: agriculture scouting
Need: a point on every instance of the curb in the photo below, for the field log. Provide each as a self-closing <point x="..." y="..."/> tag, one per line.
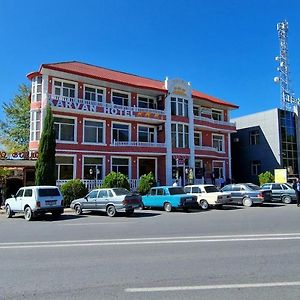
<point x="66" y="210"/>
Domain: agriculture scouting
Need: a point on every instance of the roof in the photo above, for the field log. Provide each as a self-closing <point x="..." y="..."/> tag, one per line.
<point x="100" y="73"/>
<point x="15" y="163"/>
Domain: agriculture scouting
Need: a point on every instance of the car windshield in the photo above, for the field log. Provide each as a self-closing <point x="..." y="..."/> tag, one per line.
<point x="121" y="191"/>
<point x="176" y="190"/>
<point x="211" y="189"/>
<point x="252" y="186"/>
<point x="48" y="192"/>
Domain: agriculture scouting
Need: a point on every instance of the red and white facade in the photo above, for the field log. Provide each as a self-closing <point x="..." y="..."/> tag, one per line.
<point x="107" y="120"/>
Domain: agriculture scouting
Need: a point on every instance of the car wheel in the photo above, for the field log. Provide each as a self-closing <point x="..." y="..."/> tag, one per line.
<point x="204" y="204"/>
<point x="28" y="214"/>
<point x="247" y="202"/>
<point x="129" y="212"/>
<point x="286" y="199"/>
<point x="78" y="209"/>
<point x="167" y="207"/>
<point x="111" y="211"/>
<point x="8" y="211"/>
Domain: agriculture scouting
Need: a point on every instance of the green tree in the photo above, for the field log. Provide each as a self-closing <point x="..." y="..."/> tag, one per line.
<point x="73" y="189"/>
<point x="114" y="179"/>
<point x="146" y="182"/>
<point x="45" y="165"/>
<point x="266" y="177"/>
<point x="14" y="131"/>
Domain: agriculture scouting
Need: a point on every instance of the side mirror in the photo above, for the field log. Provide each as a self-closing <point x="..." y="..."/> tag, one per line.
<point x="13" y="196"/>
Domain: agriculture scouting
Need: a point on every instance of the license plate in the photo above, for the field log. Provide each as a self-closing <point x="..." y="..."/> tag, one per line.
<point x="51" y="202"/>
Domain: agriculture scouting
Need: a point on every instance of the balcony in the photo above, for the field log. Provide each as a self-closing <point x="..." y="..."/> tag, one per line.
<point x="138" y="144"/>
<point x="212" y="121"/>
<point x="208" y="148"/>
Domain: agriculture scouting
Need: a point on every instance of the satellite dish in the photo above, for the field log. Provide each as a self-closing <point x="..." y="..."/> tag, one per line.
<point x="276" y="79"/>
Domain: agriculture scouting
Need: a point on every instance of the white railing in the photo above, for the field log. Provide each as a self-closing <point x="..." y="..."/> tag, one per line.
<point x="78" y="101"/>
<point x="91" y="184"/>
<point x="214" y="121"/>
<point x="207" y="148"/>
<point x="138" y="144"/>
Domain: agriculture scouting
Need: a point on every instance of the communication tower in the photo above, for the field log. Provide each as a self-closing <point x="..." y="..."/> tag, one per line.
<point x="288" y="101"/>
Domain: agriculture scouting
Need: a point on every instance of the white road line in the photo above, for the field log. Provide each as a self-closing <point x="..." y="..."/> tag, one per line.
<point x="122" y="243"/>
<point x="212" y="287"/>
<point x="102" y="223"/>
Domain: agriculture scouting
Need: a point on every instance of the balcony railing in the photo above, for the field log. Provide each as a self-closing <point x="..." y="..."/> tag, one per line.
<point x="91" y="184"/>
<point x="207" y="148"/>
<point x="205" y="119"/>
<point x="138" y="144"/>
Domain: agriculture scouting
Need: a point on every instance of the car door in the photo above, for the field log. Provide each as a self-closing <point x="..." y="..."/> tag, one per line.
<point x="102" y="199"/>
<point x="236" y="194"/>
<point x="91" y="199"/>
<point x="17" y="203"/>
<point x="276" y="191"/>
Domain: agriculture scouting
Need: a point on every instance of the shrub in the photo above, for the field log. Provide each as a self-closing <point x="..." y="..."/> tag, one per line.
<point x="114" y="179"/>
<point x="73" y="189"/>
<point x="147" y="181"/>
<point x="265" y="177"/>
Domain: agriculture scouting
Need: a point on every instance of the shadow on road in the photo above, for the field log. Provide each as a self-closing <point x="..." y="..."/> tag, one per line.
<point x="272" y="205"/>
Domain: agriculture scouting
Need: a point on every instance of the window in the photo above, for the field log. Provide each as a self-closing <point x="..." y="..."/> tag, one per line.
<point x="28" y="193"/>
<point x="120" y="165"/>
<point x="276" y="187"/>
<point x="93" y="168"/>
<point x="218" y="142"/>
<point x="197" y="138"/>
<point x="146" y="102"/>
<point x="179" y="107"/>
<point x="120" y="132"/>
<point x="64" y="167"/>
<point x="180" y="135"/>
<point x="255" y="167"/>
<point x="92" y="195"/>
<point x="217" y="114"/>
<point x="20" y="193"/>
<point x="103" y="194"/>
<point x="146" y="134"/>
<point x="254" y="137"/>
<point x="35" y="125"/>
<point x="93" y="132"/>
<point x="64" y="89"/>
<point x="120" y="99"/>
<point x="196" y="110"/>
<point x="64" y="129"/>
<point x="196" y="190"/>
<point x="93" y="94"/>
<point x="36" y="89"/>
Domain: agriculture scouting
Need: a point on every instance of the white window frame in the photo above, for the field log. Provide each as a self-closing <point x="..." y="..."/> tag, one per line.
<point x="96" y="166"/>
<point x="121" y="92"/>
<point x="184" y="104"/>
<point x="58" y="166"/>
<point x="185" y="135"/>
<point x="61" y="90"/>
<point x="138" y="165"/>
<point x="36" y="89"/>
<point x="148" y="127"/>
<point x="198" y="108"/>
<point x="75" y="130"/>
<point x="121" y="123"/>
<point x="219" y="113"/>
<point x="223" y="142"/>
<point x="215" y="164"/>
<point x="148" y="102"/>
<point x="35" y="133"/>
<point x="96" y="93"/>
<point x="199" y="133"/>
<point x="103" y="132"/>
<point x="122" y="157"/>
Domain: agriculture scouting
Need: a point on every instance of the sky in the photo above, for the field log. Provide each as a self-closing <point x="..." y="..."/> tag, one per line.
<point x="225" y="48"/>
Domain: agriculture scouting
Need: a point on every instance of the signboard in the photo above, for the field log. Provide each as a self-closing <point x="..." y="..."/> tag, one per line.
<point x="19" y="155"/>
<point x="280" y="175"/>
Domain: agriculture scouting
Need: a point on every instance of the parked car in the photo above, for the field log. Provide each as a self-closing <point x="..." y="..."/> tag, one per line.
<point x="35" y="200"/>
<point x="111" y="201"/>
<point x="281" y="192"/>
<point x="168" y="198"/>
<point x="247" y="194"/>
<point x="208" y="195"/>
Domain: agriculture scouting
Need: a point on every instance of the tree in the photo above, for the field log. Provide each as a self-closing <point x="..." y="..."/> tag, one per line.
<point x="266" y="177"/>
<point x="15" y="130"/>
<point x="73" y="189"/>
<point x="147" y="181"/>
<point x="114" y="179"/>
<point x="45" y="165"/>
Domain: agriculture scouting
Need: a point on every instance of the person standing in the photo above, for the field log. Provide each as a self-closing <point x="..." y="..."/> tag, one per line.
<point x="298" y="192"/>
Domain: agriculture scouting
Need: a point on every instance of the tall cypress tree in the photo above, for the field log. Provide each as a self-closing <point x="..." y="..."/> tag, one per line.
<point x="45" y="165"/>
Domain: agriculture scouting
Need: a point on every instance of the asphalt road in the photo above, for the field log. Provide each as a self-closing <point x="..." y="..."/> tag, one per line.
<point x="233" y="253"/>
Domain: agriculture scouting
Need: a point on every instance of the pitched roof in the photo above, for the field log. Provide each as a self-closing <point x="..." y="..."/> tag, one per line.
<point x="105" y="74"/>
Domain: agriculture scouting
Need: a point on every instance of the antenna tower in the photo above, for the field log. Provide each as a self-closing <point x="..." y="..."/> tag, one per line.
<point x="288" y="101"/>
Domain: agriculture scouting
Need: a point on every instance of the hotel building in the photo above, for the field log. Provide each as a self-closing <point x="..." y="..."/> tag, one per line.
<point x="107" y="120"/>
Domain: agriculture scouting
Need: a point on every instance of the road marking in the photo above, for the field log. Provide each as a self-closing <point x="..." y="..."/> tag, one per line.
<point x="96" y="223"/>
<point x="151" y="241"/>
<point x="212" y="287"/>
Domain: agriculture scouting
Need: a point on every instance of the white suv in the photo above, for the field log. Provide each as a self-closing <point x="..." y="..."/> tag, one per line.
<point x="35" y="200"/>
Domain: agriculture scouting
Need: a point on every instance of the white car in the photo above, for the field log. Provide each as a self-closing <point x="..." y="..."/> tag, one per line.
<point x="35" y="200"/>
<point x="208" y="195"/>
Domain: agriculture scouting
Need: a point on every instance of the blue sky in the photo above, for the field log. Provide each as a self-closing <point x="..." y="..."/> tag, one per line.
<point x="225" y="48"/>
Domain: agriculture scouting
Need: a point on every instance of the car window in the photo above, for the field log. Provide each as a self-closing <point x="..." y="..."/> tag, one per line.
<point x="28" y="193"/>
<point x="153" y="192"/>
<point x="266" y="186"/>
<point x="160" y="192"/>
<point x="102" y="194"/>
<point x="236" y="188"/>
<point x="196" y="190"/>
<point x="176" y="190"/>
<point x="48" y="192"/>
<point x="92" y="194"/>
<point x="20" y="193"/>
<point x="211" y="189"/>
<point x="187" y="189"/>
<point x="227" y="188"/>
<point x="283" y="186"/>
<point x="252" y="187"/>
<point x="121" y="191"/>
<point x="110" y="194"/>
<point x="276" y="186"/>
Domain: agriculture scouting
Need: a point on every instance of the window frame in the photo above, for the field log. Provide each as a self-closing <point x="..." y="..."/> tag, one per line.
<point x="148" y="134"/>
<point x="96" y="93"/>
<point x="58" y="166"/>
<point x="215" y="135"/>
<point x="122" y="157"/>
<point x="148" y="102"/>
<point x="62" y="81"/>
<point x="121" y="92"/>
<point x="59" y="140"/>
<point x="103" y="132"/>
<point x="184" y="134"/>
<point x="112" y="131"/>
